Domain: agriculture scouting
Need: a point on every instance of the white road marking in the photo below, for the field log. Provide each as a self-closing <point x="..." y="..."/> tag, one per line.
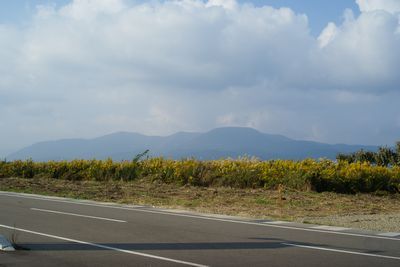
<point x="86" y="203"/>
<point x="330" y="228"/>
<point x="342" y="251"/>
<point x="390" y="234"/>
<point x="79" y="215"/>
<point x="103" y="246"/>
<point x="277" y="222"/>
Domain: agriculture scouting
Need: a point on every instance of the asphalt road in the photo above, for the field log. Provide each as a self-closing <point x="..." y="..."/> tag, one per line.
<point x="61" y="232"/>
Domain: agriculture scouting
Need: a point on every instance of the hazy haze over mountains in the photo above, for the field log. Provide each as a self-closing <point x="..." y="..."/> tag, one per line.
<point x="217" y="143"/>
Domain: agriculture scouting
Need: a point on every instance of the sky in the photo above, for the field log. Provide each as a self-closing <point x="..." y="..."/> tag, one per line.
<point x="317" y="70"/>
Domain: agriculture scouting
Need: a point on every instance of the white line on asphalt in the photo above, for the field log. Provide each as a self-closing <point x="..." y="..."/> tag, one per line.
<point x="342" y="251"/>
<point x="390" y="234"/>
<point x="85" y="203"/>
<point x="79" y="215"/>
<point x="330" y="228"/>
<point x="104" y="247"/>
<point x="277" y="222"/>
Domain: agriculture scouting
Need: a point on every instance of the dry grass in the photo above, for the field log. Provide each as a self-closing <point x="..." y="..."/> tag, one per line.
<point x="259" y="203"/>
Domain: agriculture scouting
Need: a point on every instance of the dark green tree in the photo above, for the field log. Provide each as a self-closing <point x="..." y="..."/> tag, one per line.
<point x="365" y="156"/>
<point x="385" y="157"/>
<point x="345" y="157"/>
<point x="397" y="151"/>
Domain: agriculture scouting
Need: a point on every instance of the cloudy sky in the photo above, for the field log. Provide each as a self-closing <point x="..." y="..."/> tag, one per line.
<point x="318" y="70"/>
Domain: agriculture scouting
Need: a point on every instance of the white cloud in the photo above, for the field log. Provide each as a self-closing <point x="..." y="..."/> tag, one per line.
<point x="89" y="9"/>
<point x="391" y="6"/>
<point x="228" y="4"/>
<point x="94" y="67"/>
<point x="362" y="54"/>
<point x="327" y="35"/>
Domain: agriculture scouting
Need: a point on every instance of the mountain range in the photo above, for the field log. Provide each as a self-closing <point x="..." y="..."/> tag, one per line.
<point x="218" y="143"/>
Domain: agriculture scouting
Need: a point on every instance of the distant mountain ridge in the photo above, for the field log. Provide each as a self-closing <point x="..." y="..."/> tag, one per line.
<point x="217" y="143"/>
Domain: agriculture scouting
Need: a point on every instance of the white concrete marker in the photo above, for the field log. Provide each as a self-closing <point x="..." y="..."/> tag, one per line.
<point x="5" y="245"/>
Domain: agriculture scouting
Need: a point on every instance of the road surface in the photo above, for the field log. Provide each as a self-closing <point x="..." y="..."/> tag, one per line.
<point x="63" y="232"/>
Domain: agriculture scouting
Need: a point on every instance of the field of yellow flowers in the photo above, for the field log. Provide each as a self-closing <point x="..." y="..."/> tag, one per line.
<point x="306" y="175"/>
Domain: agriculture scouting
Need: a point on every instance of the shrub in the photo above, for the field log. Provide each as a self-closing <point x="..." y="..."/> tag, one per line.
<point x="318" y="175"/>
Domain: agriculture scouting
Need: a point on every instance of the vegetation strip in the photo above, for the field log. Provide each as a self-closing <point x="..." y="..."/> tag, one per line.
<point x="306" y="175"/>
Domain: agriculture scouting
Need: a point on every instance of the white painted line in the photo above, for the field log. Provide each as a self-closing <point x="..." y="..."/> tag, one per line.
<point x="104" y="247"/>
<point x="5" y="245"/>
<point x="78" y="215"/>
<point x="342" y="251"/>
<point x="330" y="228"/>
<point x="390" y="234"/>
<point x="87" y="203"/>
<point x="277" y="222"/>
